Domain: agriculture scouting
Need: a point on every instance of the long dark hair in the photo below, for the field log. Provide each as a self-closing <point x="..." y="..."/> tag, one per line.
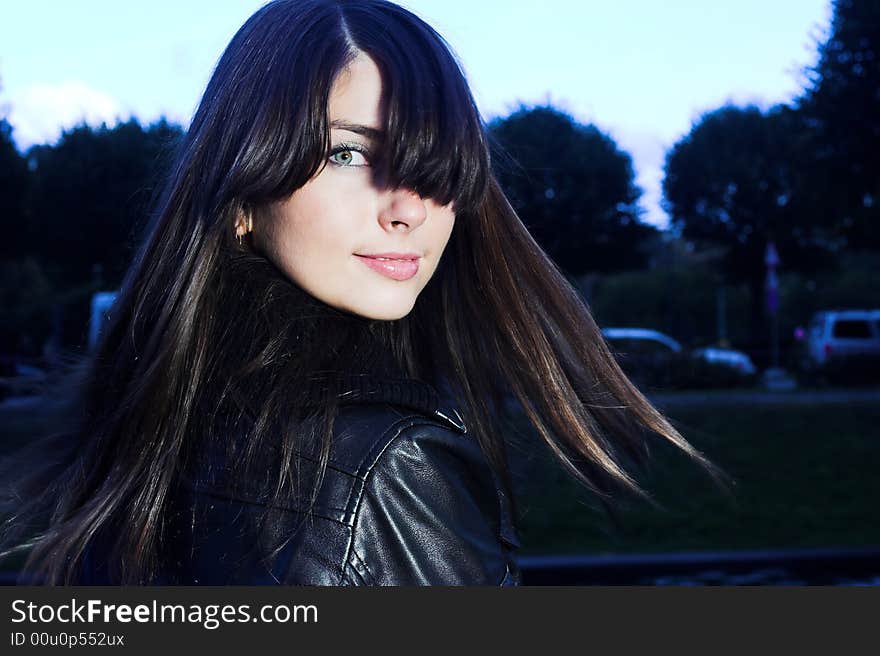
<point x="206" y="334"/>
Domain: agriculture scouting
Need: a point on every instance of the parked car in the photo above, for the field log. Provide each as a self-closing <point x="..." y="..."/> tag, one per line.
<point x="736" y="360"/>
<point x="648" y="357"/>
<point x="842" y="345"/>
<point x="721" y="367"/>
<point x="653" y="359"/>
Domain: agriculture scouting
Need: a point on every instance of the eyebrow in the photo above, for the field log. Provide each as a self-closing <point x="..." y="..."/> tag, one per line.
<point x="365" y="130"/>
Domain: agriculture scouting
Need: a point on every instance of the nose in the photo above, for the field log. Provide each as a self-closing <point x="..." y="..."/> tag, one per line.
<point x="404" y="210"/>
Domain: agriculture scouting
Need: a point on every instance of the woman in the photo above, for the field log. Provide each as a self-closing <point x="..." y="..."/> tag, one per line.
<point x="301" y="379"/>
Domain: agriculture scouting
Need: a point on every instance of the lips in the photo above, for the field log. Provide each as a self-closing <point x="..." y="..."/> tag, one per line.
<point x="391" y="255"/>
<point x="398" y="266"/>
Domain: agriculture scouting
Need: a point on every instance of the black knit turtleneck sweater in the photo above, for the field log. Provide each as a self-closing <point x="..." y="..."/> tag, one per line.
<point x="329" y="352"/>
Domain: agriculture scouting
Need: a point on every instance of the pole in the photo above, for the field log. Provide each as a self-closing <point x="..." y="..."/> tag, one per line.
<point x="771" y="261"/>
<point x="774" y="326"/>
<point x="721" y="304"/>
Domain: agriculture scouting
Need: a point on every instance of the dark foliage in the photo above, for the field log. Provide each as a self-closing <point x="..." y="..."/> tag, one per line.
<point x="574" y="189"/>
<point x="89" y="198"/>
<point x="842" y="109"/>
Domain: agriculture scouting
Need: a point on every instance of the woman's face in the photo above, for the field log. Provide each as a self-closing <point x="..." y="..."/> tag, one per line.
<point x="322" y="234"/>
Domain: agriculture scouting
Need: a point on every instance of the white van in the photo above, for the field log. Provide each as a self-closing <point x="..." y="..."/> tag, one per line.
<point x="842" y="337"/>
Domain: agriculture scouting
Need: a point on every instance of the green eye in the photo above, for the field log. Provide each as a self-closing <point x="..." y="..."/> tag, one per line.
<point x="348" y="156"/>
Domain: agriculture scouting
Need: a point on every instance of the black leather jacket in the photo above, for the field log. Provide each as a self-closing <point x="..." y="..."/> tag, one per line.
<point x="408" y="498"/>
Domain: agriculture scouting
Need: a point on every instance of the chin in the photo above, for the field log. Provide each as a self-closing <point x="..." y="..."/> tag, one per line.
<point x="388" y="311"/>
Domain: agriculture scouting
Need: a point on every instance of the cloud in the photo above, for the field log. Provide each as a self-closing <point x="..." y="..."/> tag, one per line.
<point x="40" y="112"/>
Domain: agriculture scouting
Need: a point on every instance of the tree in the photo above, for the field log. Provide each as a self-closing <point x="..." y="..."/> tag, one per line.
<point x="734" y="181"/>
<point x="573" y="188"/>
<point x="842" y="107"/>
<point x="90" y="196"/>
<point x="14" y="181"/>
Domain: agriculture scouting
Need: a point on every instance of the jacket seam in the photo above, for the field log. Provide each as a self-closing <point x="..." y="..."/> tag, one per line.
<point x="369" y="579"/>
<point x="225" y="497"/>
<point x="410" y="421"/>
<point x="351" y="577"/>
<point x="508" y="575"/>
<point x="362" y="483"/>
<point x="438" y="416"/>
<point x="331" y="465"/>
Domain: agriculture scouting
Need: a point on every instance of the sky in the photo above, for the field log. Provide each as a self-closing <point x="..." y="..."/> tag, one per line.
<point x="642" y="71"/>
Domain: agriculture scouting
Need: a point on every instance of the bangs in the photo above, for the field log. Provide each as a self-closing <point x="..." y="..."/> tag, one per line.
<point x="434" y="141"/>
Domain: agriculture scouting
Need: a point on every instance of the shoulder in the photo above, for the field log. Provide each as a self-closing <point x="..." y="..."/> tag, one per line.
<point x="363" y="433"/>
<point x="427" y="509"/>
<point x="407" y="498"/>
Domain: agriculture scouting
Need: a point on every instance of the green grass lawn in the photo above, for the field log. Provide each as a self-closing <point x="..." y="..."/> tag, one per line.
<point x="806" y="476"/>
<point x="18" y="426"/>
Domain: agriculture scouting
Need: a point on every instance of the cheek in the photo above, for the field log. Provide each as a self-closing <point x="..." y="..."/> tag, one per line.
<point x="443" y="222"/>
<point x="310" y="222"/>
